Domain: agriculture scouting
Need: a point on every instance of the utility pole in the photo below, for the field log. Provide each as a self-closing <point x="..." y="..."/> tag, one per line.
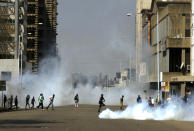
<point x="192" y="43"/>
<point x="158" y="53"/>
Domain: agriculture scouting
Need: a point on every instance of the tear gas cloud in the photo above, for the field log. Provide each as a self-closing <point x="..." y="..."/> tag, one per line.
<point x="54" y="80"/>
<point x="175" y="110"/>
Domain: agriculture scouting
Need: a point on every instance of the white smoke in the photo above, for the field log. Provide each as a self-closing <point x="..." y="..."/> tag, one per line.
<point x="176" y="110"/>
<point x="52" y="79"/>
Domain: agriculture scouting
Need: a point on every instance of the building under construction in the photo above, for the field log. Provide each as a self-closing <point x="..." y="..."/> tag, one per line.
<point x="165" y="26"/>
<point x="27" y="35"/>
<point x="41" y="31"/>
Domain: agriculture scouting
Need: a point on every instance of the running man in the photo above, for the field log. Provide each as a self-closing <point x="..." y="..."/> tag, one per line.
<point x="76" y="99"/>
<point x="101" y="102"/>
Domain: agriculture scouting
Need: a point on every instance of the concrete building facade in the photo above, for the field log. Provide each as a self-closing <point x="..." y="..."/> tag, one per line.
<point x="167" y="24"/>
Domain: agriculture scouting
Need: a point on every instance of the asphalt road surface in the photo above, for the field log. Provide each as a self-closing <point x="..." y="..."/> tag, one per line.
<point x="85" y="118"/>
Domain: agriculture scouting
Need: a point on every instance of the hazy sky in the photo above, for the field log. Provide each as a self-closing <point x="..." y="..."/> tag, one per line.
<point x="95" y="35"/>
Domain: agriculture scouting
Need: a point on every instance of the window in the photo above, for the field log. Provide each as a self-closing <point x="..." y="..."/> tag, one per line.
<point x="6" y="76"/>
<point x="175" y="60"/>
<point x="187" y="26"/>
<point x="187" y="33"/>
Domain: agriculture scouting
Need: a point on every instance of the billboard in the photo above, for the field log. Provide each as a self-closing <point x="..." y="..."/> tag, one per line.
<point x="2" y="85"/>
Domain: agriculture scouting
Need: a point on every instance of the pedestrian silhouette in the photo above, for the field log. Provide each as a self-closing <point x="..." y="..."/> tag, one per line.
<point x="4" y="100"/>
<point x="16" y="102"/>
<point x="33" y="102"/>
<point x="11" y="101"/>
<point x="101" y="102"/>
<point x="27" y="101"/>
<point x="121" y="102"/>
<point x="76" y="99"/>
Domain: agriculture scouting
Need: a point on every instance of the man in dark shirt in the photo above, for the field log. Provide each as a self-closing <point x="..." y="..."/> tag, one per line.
<point x="27" y="101"/>
<point x="101" y="102"/>
<point x="121" y="102"/>
<point x="16" y="102"/>
<point x="139" y="99"/>
<point x="4" y="100"/>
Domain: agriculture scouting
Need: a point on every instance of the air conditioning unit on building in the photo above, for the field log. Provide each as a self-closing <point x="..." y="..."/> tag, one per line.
<point x="188" y="67"/>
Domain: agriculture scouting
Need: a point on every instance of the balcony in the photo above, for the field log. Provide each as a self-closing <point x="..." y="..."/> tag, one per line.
<point x="171" y="77"/>
<point x="174" y="1"/>
<point x="178" y="43"/>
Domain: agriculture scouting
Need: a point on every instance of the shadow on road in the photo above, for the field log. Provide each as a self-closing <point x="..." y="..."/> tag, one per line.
<point x="26" y="122"/>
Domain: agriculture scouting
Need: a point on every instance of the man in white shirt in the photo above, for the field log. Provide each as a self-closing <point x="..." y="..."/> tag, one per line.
<point x="51" y="102"/>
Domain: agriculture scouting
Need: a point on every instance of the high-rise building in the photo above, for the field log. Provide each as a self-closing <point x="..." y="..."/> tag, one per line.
<point x="41" y="30"/>
<point x="11" y="31"/>
<point x="27" y="35"/>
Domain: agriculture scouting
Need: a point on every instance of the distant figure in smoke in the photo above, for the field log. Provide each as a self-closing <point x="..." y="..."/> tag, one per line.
<point x="8" y="103"/>
<point x="153" y="102"/>
<point x="121" y="102"/>
<point x="150" y="101"/>
<point x="16" y="102"/>
<point x="11" y="101"/>
<point x="139" y="99"/>
<point x="4" y="100"/>
<point x="51" y="102"/>
<point x="40" y="100"/>
<point x="101" y="102"/>
<point x="27" y="101"/>
<point x="76" y="99"/>
<point x="33" y="102"/>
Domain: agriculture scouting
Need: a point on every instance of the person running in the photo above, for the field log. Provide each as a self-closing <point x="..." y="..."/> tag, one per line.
<point x="27" y="101"/>
<point x="33" y="102"/>
<point x="40" y="100"/>
<point x="16" y="102"/>
<point x="121" y="102"/>
<point x="11" y="101"/>
<point x="101" y="102"/>
<point x="76" y="99"/>
<point x="139" y="99"/>
<point x="4" y="100"/>
<point x="51" y="102"/>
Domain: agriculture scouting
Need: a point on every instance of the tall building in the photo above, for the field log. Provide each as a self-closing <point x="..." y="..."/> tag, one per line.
<point x="41" y="30"/>
<point x="27" y="35"/>
<point x="166" y="29"/>
<point x="11" y="30"/>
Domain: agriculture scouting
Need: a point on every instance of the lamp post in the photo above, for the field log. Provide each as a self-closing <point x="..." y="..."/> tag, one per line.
<point x="158" y="53"/>
<point x="21" y="58"/>
<point x="129" y="77"/>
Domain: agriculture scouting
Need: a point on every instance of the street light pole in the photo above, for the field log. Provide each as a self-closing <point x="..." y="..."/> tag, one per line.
<point x="21" y="58"/>
<point x="158" y="51"/>
<point x="129" y="77"/>
<point x="21" y="66"/>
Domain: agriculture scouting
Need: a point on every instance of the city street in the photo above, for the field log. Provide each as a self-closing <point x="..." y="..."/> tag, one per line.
<point x="85" y="118"/>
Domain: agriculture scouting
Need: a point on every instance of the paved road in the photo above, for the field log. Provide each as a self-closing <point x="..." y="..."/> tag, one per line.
<point x="84" y="118"/>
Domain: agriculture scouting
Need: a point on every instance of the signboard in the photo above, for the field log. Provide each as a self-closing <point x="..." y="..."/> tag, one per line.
<point x="167" y="87"/>
<point x="2" y="85"/>
<point x="163" y="86"/>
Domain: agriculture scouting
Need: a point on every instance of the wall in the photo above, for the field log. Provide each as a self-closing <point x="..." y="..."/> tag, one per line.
<point x="10" y="65"/>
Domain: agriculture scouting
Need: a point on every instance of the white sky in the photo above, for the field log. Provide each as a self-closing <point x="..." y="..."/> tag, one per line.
<point x="95" y="35"/>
